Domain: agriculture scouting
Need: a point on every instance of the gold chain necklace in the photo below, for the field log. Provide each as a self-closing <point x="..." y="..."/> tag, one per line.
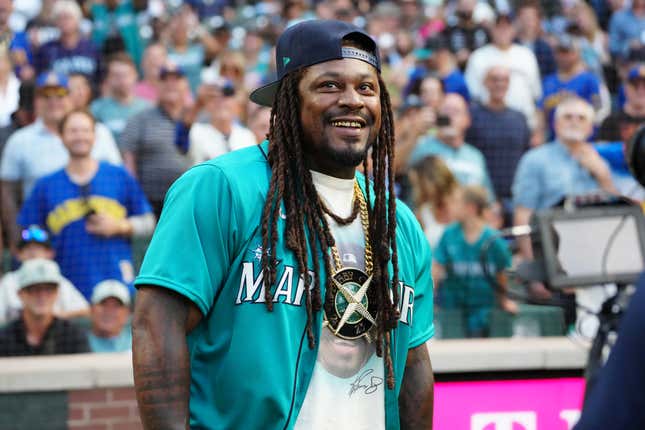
<point x="365" y="223"/>
<point x="353" y="310"/>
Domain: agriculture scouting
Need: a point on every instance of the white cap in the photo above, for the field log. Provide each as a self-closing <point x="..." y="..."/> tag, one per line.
<point x="110" y="288"/>
<point x="38" y="271"/>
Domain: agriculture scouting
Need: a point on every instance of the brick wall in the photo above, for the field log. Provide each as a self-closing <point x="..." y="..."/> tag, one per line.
<point x="103" y="409"/>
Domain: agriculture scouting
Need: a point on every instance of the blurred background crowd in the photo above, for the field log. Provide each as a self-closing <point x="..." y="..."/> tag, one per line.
<point x="503" y="108"/>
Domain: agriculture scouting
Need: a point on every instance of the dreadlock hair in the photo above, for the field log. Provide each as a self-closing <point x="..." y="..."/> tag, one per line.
<point x="306" y="226"/>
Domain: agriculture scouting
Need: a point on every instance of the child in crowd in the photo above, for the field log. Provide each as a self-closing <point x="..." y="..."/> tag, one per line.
<point x="458" y="272"/>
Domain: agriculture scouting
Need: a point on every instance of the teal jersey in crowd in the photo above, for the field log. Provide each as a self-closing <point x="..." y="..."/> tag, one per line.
<point x="466" y="286"/>
<point x="119" y="22"/>
<point x="115" y="115"/>
<point x="250" y="367"/>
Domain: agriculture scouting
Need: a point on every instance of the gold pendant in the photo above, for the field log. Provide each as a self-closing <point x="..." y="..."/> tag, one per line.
<point x="354" y="310"/>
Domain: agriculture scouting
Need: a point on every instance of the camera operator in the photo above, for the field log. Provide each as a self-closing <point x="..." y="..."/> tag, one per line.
<point x="617" y="399"/>
<point x="465" y="161"/>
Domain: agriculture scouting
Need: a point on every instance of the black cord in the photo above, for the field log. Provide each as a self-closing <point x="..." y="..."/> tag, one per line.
<point x="610" y="242"/>
<point x="514" y="294"/>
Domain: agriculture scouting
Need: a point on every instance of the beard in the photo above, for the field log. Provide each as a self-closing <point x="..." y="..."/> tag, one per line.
<point x="348" y="156"/>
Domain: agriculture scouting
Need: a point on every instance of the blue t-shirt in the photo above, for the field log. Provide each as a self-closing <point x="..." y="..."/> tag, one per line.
<point x="454" y="82"/>
<point x="547" y="174"/>
<point x="61" y="205"/>
<point x="83" y="59"/>
<point x="585" y="85"/>
<point x="466" y="286"/>
<point x="20" y="50"/>
<point x="501" y="145"/>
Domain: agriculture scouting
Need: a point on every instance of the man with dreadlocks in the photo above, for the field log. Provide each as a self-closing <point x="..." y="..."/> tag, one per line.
<point x="283" y="290"/>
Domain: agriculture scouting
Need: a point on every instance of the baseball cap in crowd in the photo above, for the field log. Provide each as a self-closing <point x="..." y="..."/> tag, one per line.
<point x="412" y="101"/>
<point x="566" y="42"/>
<point x="504" y="16"/>
<point x="48" y="82"/>
<point x="636" y="73"/>
<point x="210" y="77"/>
<point x="171" y="69"/>
<point x="110" y="288"/>
<point x="431" y="46"/>
<point x="312" y="42"/>
<point x="34" y="234"/>
<point x="38" y="271"/>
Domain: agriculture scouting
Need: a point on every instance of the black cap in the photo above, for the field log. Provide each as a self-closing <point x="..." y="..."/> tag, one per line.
<point x="312" y="42"/>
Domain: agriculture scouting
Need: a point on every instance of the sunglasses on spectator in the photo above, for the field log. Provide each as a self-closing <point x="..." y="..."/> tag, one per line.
<point x="50" y="92"/>
<point x="34" y="234"/>
<point x="40" y="288"/>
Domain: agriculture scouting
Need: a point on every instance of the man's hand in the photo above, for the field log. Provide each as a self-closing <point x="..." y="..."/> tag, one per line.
<point x="508" y="305"/>
<point x="589" y="158"/>
<point x="423" y="121"/>
<point x="107" y="226"/>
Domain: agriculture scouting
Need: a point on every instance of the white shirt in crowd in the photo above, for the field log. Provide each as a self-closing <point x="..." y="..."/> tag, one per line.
<point x="525" y="87"/>
<point x="34" y="151"/>
<point x="69" y="298"/>
<point x="10" y="97"/>
<point x="207" y="142"/>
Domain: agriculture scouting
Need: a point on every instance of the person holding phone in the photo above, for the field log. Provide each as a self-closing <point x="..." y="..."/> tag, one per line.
<point x="222" y="133"/>
<point x="465" y="161"/>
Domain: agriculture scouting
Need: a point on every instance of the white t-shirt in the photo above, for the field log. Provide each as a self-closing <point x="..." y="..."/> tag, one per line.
<point x="10" y="97"/>
<point x="346" y="391"/>
<point x="69" y="298"/>
<point x="525" y="87"/>
<point x="207" y="142"/>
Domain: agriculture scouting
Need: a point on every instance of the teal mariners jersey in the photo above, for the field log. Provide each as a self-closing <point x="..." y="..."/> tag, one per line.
<point x="251" y="368"/>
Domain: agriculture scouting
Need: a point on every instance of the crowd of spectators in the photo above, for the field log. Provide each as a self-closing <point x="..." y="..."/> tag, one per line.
<point x="503" y="107"/>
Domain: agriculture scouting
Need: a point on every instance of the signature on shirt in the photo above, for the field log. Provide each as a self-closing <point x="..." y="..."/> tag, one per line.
<point x="360" y="383"/>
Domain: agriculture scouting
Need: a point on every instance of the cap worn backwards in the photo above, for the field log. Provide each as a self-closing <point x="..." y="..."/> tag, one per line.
<point x="312" y="42"/>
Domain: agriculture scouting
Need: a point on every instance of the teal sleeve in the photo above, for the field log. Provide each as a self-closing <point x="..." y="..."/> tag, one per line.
<point x="192" y="247"/>
<point x="422" y="322"/>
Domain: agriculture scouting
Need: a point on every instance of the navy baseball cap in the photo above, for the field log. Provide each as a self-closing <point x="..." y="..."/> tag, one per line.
<point x="312" y="42"/>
